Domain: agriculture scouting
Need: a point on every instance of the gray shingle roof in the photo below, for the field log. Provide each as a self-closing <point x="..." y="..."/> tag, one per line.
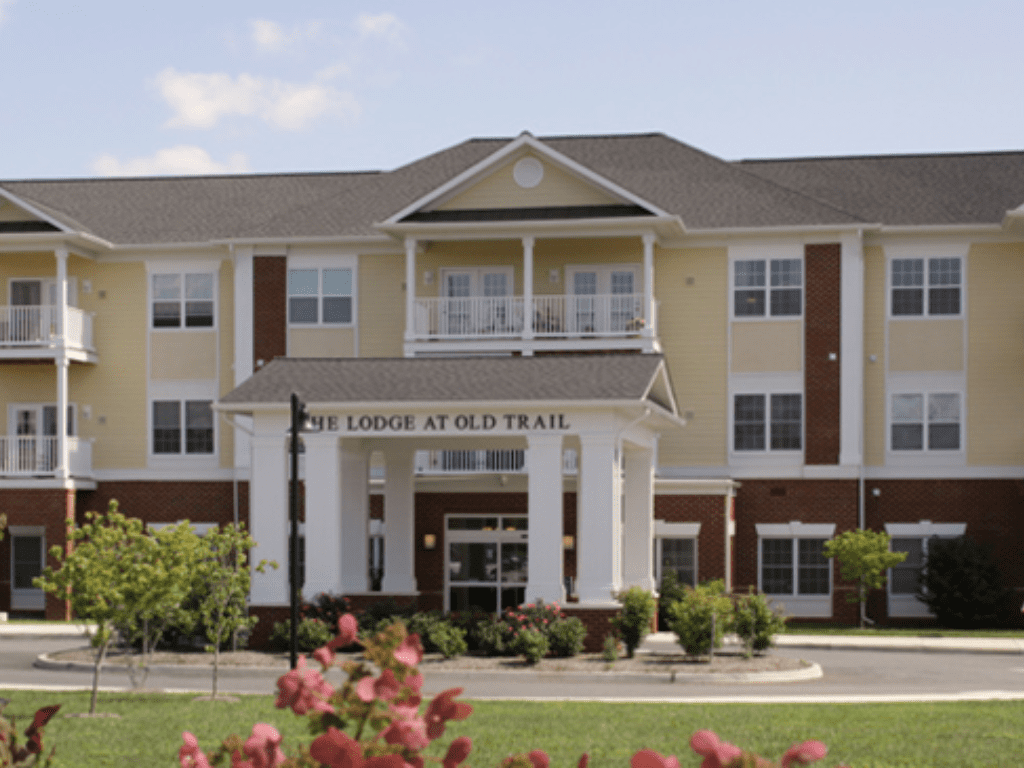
<point x="611" y="377"/>
<point x="705" y="191"/>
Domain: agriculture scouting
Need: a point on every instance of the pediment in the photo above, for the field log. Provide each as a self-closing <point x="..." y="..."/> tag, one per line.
<point x="17" y="218"/>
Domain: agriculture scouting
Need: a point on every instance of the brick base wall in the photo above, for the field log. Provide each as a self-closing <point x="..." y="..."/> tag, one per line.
<point x="169" y="501"/>
<point x="598" y="624"/>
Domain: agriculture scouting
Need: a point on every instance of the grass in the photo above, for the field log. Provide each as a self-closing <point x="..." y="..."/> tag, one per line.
<point x="876" y="735"/>
<point x="835" y="629"/>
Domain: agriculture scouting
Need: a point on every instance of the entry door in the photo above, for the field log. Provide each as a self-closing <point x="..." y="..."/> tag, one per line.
<point x="486" y="562"/>
<point x="28" y="549"/>
<point x="33" y="425"/>
<point x="603" y="299"/>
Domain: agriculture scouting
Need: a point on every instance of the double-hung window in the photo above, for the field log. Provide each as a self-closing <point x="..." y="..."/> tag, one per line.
<point x="183" y="300"/>
<point x="925" y="421"/>
<point x="182" y="427"/>
<point x="926" y="287"/>
<point x="320" y="296"/>
<point x="905" y="578"/>
<point x="771" y="422"/>
<point x="792" y="566"/>
<point x="768" y="287"/>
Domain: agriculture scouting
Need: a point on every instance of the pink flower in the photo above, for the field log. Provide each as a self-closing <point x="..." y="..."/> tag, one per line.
<point x="190" y="755"/>
<point x="457" y="752"/>
<point x="410" y="652"/>
<point x="407" y="709"/>
<point x="584" y="760"/>
<point x="414" y="681"/>
<point x="648" y="758"/>
<point x="264" y="746"/>
<point x="444" y="708"/>
<point x="410" y="733"/>
<point x="539" y="758"/>
<point x="804" y="753"/>
<point x="385" y="687"/>
<point x="716" y="753"/>
<point x="324" y="655"/>
<point x="303" y="689"/>
<point x="336" y="749"/>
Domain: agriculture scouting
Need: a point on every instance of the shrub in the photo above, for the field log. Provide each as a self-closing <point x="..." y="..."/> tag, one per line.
<point x="961" y="584"/>
<point x="326" y="607"/>
<point x="634" y="620"/>
<point x="492" y="636"/>
<point x="380" y="615"/>
<point x="670" y="591"/>
<point x="497" y="636"/>
<point x="690" y="618"/>
<point x="448" y="640"/>
<point x="310" y="635"/>
<point x="532" y="644"/>
<point x="566" y="636"/>
<point x="610" y="650"/>
<point x="756" y="622"/>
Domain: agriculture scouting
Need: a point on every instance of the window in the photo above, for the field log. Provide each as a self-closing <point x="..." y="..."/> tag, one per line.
<point x="915" y="428"/>
<point x="767" y="287"/>
<point x="677" y="556"/>
<point x="794" y="567"/>
<point x="183" y="299"/>
<point x="905" y="578"/>
<point x="917" y="291"/>
<point x="768" y="422"/>
<point x="320" y="296"/>
<point x="172" y="433"/>
<point x="28" y="558"/>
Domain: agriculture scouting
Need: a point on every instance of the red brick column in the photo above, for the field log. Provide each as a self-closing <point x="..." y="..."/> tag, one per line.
<point x="822" y="313"/>
<point x="269" y="307"/>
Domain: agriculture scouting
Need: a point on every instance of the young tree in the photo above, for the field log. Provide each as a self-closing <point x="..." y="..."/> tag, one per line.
<point x="863" y="557"/>
<point x="962" y="584"/>
<point x="225" y="576"/>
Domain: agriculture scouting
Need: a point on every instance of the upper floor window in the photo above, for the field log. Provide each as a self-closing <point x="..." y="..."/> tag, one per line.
<point x="926" y="286"/>
<point x="925" y="421"/>
<point x="767" y="422"/>
<point x="182" y="427"/>
<point x="772" y="287"/>
<point x="183" y="300"/>
<point x="320" y="296"/>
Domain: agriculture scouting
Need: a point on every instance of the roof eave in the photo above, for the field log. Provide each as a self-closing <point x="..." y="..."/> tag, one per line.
<point x="665" y="226"/>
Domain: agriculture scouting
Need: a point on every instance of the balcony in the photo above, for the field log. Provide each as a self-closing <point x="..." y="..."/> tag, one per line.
<point x="24" y="456"/>
<point x="553" y="322"/>
<point x="481" y="462"/>
<point x="34" y="331"/>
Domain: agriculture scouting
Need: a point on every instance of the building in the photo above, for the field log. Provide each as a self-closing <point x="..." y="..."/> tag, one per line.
<point x="534" y="367"/>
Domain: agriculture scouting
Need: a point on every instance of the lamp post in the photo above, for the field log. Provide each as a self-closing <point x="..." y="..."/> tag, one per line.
<point x="299" y="417"/>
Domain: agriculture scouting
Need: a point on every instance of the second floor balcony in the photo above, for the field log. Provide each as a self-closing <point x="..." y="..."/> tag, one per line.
<point x="30" y="456"/>
<point x="40" y="330"/>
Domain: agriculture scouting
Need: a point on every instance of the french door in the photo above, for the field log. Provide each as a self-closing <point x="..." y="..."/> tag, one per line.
<point x="603" y="300"/>
<point x="476" y="301"/>
<point x="486" y="562"/>
<point x="35" y="427"/>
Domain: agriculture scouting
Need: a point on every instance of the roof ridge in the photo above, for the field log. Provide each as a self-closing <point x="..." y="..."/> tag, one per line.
<point x="189" y="177"/>
<point x="881" y="156"/>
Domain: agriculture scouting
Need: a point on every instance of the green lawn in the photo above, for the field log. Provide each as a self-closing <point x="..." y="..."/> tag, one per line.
<point x="946" y="734"/>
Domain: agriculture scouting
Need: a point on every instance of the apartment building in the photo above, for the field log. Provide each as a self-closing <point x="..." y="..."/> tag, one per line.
<point x="534" y="368"/>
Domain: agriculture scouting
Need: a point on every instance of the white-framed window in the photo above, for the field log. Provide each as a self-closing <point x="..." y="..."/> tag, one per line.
<point x="36" y="291"/>
<point x="792" y="567"/>
<point x="767" y="422"/>
<point x="922" y="287"/>
<point x="604" y="299"/>
<point x="675" y="551"/>
<point x="184" y="299"/>
<point x="904" y="579"/>
<point x="320" y="295"/>
<point x="767" y="287"/>
<point x="28" y="558"/>
<point x="925" y="422"/>
<point x="183" y="427"/>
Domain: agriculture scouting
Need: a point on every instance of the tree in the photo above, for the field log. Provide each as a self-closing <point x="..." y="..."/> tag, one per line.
<point x="962" y="584"/>
<point x="225" y="576"/>
<point x="863" y="557"/>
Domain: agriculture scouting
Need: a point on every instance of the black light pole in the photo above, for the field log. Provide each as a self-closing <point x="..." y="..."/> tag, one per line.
<point x="299" y="417"/>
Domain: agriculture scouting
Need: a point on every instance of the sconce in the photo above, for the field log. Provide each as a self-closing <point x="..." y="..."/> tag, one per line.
<point x="428" y="277"/>
<point x="553" y="276"/>
<point x="568" y="542"/>
<point x="429" y="541"/>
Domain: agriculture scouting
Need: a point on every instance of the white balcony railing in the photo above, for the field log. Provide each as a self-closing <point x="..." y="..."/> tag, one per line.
<point x="481" y="462"/>
<point x="616" y="314"/>
<point x="38" y="325"/>
<point x="23" y="456"/>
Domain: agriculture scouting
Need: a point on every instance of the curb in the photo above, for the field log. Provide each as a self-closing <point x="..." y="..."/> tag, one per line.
<point x="1011" y="648"/>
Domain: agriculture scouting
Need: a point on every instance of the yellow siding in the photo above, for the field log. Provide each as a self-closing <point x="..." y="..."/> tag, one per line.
<point x="693" y="324"/>
<point x="557" y="254"/>
<point x="11" y="212"/>
<point x="500" y="190"/>
<point x="226" y="372"/>
<point x="995" y="383"/>
<point x="321" y="342"/>
<point x="381" y="305"/>
<point x="874" y="344"/>
<point x="466" y="255"/>
<point x="41" y="265"/>
<point x="183" y="355"/>
<point x="26" y="383"/>
<point x="767" y="346"/>
<point x="926" y="345"/>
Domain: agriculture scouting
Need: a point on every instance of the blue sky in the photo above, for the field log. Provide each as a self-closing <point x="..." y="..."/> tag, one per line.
<point x="128" y="87"/>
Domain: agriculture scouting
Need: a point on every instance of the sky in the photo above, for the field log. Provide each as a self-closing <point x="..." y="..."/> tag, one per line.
<point x="140" y="87"/>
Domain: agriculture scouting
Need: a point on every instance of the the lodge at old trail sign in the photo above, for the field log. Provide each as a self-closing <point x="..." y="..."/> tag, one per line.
<point x="534" y="368"/>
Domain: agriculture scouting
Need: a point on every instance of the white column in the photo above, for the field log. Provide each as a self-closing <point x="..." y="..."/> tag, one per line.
<point x="528" y="288"/>
<point x="544" y="548"/>
<point x="399" y="521"/>
<point x="323" y="515"/>
<point x="355" y="517"/>
<point x="410" y="288"/>
<point x="851" y="351"/>
<point x="62" y="362"/>
<point x="638" y="550"/>
<point x="649" y="313"/>
<point x="268" y="518"/>
<point x="598" y="558"/>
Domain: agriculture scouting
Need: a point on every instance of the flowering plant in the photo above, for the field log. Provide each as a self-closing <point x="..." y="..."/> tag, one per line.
<point x="374" y="721"/>
<point x="31" y="752"/>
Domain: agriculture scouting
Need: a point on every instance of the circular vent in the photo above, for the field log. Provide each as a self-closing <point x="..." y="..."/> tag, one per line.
<point x="528" y="172"/>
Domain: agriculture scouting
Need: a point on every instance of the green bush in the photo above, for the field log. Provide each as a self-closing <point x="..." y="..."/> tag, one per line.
<point x="610" y="650"/>
<point x="532" y="644"/>
<point x="327" y="608"/>
<point x="756" y="622"/>
<point x="962" y="584"/>
<point x="634" y="620"/>
<point x="380" y="615"/>
<point x="690" y="618"/>
<point x="448" y="640"/>
<point x="311" y="634"/>
<point x="492" y="636"/>
<point x="670" y="591"/>
<point x="566" y="636"/>
<point x="496" y="636"/>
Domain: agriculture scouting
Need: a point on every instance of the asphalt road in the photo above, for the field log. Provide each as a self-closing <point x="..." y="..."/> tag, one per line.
<point x="849" y="675"/>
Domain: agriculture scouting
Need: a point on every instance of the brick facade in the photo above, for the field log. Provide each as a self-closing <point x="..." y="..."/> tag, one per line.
<point x="169" y="501"/>
<point x="821" y="339"/>
<point x="269" y="308"/>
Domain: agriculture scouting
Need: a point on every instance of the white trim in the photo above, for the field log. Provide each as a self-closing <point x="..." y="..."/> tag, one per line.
<point x="676" y="530"/>
<point x="320" y="263"/>
<point x="851" y="350"/>
<point x="182" y="269"/>
<point x="926" y="253"/>
<point x="925" y="529"/>
<point x="949" y="473"/>
<point x="818" y="606"/>
<point x="926" y="384"/>
<point x="766" y="252"/>
<point x="795" y="530"/>
<point x="659" y="550"/>
<point x="175" y="473"/>
<point x="182" y="392"/>
<point x="908" y="605"/>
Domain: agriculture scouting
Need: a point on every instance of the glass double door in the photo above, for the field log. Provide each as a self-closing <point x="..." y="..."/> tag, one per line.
<point x="486" y="562"/>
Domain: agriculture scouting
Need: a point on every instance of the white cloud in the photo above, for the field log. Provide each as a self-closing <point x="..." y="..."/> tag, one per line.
<point x="182" y="160"/>
<point x="200" y="100"/>
<point x="271" y="37"/>
<point x="4" y="5"/>
<point x="383" y="25"/>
